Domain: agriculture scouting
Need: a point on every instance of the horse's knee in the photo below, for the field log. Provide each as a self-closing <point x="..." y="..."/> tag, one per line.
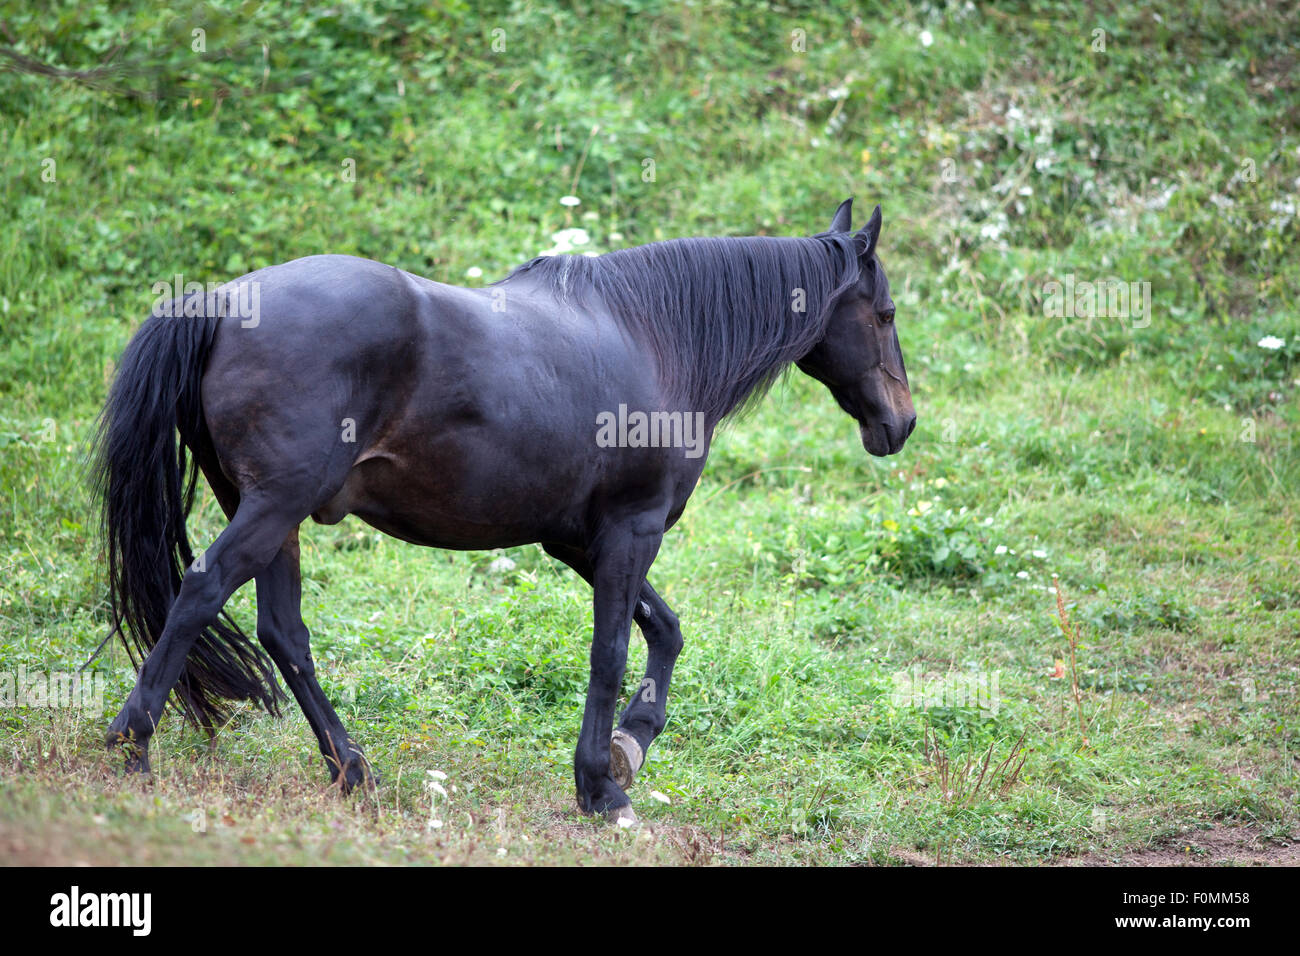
<point x="664" y="631"/>
<point x="298" y="648"/>
<point x="288" y="644"/>
<point x="200" y="598"/>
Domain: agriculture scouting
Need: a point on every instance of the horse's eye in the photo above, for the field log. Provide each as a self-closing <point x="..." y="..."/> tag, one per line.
<point x="887" y="316"/>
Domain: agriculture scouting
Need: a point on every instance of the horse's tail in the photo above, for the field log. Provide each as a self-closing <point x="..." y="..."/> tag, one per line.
<point x="146" y="482"/>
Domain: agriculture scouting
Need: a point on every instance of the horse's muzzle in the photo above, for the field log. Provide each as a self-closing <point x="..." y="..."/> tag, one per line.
<point x="886" y="438"/>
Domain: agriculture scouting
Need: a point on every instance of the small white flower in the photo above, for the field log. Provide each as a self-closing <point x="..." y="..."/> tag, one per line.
<point x="501" y="851"/>
<point x="1271" y="342"/>
<point x="661" y="797"/>
<point x="570" y="201"/>
<point x="1039" y="554"/>
<point x="473" y="272"/>
<point x="1160" y="201"/>
<point x="437" y="774"/>
<point x="438" y="788"/>
<point x="615" y="237"/>
<point x="566" y="239"/>
<point x="1000" y="549"/>
<point x="1022" y="574"/>
<point x="501" y="565"/>
<point x="927" y="38"/>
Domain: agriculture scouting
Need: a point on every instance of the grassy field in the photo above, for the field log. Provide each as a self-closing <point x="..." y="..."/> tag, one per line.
<point x="875" y="671"/>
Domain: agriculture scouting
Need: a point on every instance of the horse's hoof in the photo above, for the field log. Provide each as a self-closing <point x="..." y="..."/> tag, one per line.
<point x="135" y="758"/>
<point x="622" y="817"/>
<point x="625" y="758"/>
<point x="357" y="777"/>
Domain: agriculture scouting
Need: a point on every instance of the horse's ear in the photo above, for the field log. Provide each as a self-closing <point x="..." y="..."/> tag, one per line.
<point x="842" y="221"/>
<point x="868" y="235"/>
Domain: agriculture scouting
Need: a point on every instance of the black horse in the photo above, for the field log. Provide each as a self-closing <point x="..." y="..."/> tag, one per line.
<point x="571" y="404"/>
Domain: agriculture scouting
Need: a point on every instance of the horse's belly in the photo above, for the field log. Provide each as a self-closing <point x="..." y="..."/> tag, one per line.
<point x="444" y="505"/>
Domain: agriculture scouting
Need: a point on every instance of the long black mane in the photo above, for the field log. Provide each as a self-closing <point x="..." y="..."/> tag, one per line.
<point x="719" y="316"/>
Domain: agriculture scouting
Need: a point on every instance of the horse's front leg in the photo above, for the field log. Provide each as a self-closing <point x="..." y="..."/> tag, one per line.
<point x="647" y="711"/>
<point x="619" y="563"/>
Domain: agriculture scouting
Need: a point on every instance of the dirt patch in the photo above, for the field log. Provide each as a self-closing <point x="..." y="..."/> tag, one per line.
<point x="1223" y="846"/>
<point x="911" y="857"/>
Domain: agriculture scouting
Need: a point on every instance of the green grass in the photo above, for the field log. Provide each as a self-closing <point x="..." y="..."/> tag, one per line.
<point x="1152" y="467"/>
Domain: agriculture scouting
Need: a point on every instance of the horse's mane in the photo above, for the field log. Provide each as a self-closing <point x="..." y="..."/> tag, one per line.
<point x="717" y="315"/>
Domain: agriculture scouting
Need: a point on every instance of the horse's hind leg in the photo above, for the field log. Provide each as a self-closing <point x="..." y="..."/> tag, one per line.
<point x="282" y="632"/>
<point x="247" y="546"/>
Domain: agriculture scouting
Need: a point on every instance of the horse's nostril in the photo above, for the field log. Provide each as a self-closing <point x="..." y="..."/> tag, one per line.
<point x="911" y="423"/>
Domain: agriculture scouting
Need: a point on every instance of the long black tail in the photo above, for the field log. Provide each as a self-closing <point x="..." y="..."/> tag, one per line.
<point x="146" y="481"/>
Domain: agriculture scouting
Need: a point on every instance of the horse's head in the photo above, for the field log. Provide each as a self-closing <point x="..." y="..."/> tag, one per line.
<point x="859" y="359"/>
